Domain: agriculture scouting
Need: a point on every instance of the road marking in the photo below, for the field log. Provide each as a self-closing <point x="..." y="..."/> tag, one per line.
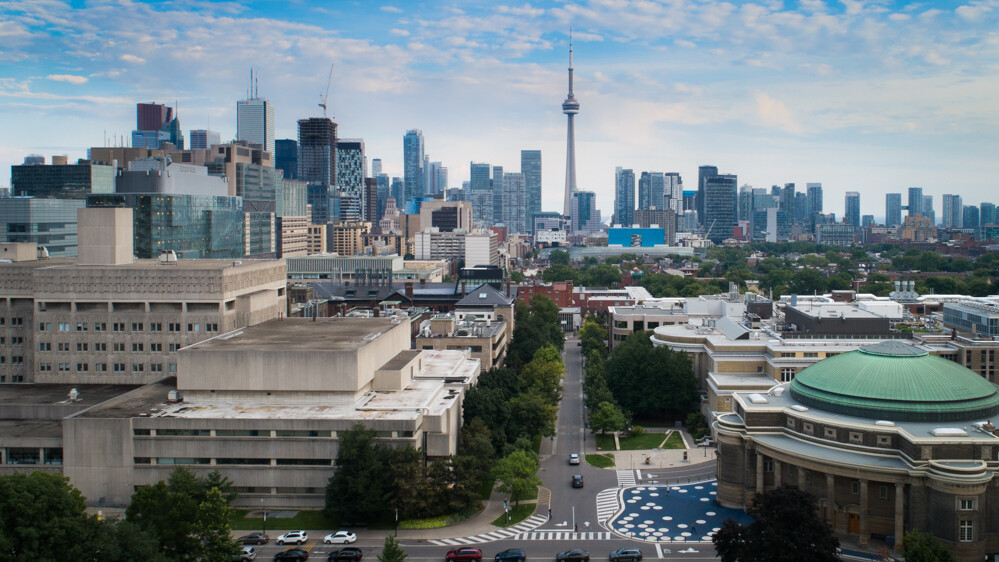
<point x="532" y="522"/>
<point x="625" y="478"/>
<point x="607" y="504"/>
<point x="564" y="536"/>
<point x="659" y="551"/>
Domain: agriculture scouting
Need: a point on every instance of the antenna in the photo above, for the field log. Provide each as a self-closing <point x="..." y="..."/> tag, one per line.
<point x="326" y="94"/>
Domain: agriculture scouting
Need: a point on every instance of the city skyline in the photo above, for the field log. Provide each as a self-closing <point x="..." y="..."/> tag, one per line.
<point x="873" y="98"/>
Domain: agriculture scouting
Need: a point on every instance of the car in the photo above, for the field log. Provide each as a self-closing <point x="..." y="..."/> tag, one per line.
<point x="577" y="480"/>
<point x="340" y="537"/>
<point x="464" y="554"/>
<point x="296" y="537"/>
<point x="254" y="538"/>
<point x="511" y="555"/>
<point x="349" y="554"/>
<point x="292" y="554"/>
<point x="245" y="555"/>
<point x="626" y="554"/>
<point x="574" y="458"/>
<point x="573" y="555"/>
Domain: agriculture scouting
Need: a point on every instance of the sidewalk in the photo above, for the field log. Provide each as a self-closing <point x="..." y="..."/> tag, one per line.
<point x="479" y="523"/>
<point x="658" y="458"/>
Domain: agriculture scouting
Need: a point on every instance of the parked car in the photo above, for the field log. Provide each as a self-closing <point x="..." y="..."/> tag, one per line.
<point x="574" y="555"/>
<point x="464" y="554"/>
<point x="349" y="554"/>
<point x="296" y="537"/>
<point x="577" y="480"/>
<point x="254" y="538"/>
<point x="245" y="555"/>
<point x="626" y="554"/>
<point x="511" y="555"/>
<point x="291" y="555"/>
<point x="574" y="458"/>
<point x="340" y="537"/>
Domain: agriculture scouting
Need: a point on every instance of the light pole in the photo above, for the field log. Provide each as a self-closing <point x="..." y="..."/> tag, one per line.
<point x="265" y="517"/>
<point x="397" y="521"/>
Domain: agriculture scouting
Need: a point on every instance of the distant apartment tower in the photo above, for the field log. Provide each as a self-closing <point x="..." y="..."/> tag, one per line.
<point x="203" y="139"/>
<point x="376" y="167"/>
<point x="928" y="211"/>
<point x="497" y="183"/>
<point x="970" y="217"/>
<point x="412" y="166"/>
<point x="585" y="215"/>
<point x="514" y="209"/>
<point x="434" y="178"/>
<point x="702" y="173"/>
<point x="720" y="206"/>
<point x="893" y="209"/>
<point x="350" y="168"/>
<point x="852" y="213"/>
<point x="624" y="196"/>
<point x="787" y="196"/>
<point x="915" y="206"/>
<point x="673" y="191"/>
<point x="317" y="151"/>
<point x="286" y="157"/>
<point x="953" y="211"/>
<point x="480" y="193"/>
<point x="530" y="166"/>
<point x="255" y="122"/>
<point x="814" y="191"/>
<point x="651" y="187"/>
<point x="987" y="213"/>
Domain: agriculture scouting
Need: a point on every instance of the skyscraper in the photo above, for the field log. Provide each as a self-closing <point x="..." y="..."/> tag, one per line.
<point x="350" y="168"/>
<point x="585" y="215"/>
<point x="155" y="124"/>
<point x="571" y="107"/>
<point x="987" y="213"/>
<point x="787" y="200"/>
<point x="514" y="198"/>
<point x="286" y="157"/>
<point x="893" y="209"/>
<point x="814" y="191"/>
<point x="953" y="211"/>
<point x="480" y="193"/>
<point x="852" y="213"/>
<point x="497" y="195"/>
<point x="530" y="166"/>
<point x="720" y="206"/>
<point x="915" y="205"/>
<point x="673" y="192"/>
<point x="203" y="138"/>
<point x="412" y="166"/>
<point x="376" y="167"/>
<point x="703" y="172"/>
<point x="624" y="196"/>
<point x="317" y="151"/>
<point x="651" y="187"/>
<point x="255" y="122"/>
<point x="928" y="211"/>
<point x="970" y="217"/>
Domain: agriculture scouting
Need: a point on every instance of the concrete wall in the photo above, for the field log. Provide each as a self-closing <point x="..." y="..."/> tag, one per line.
<point x="97" y="458"/>
<point x="104" y="236"/>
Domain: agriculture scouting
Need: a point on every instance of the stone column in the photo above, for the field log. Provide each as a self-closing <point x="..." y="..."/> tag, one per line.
<point x="831" y="499"/>
<point x="864" y="520"/>
<point x="801" y="478"/>
<point x="777" y="473"/>
<point x="899" y="513"/>
<point x="759" y="472"/>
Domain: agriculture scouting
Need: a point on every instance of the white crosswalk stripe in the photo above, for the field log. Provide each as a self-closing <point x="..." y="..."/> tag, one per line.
<point x="564" y="536"/>
<point x="532" y="522"/>
<point x="607" y="504"/>
<point x="625" y="478"/>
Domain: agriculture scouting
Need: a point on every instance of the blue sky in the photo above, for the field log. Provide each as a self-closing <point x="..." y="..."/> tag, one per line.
<point x="873" y="96"/>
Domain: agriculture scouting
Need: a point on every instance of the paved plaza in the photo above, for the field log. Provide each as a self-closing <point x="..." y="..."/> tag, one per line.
<point x="675" y="514"/>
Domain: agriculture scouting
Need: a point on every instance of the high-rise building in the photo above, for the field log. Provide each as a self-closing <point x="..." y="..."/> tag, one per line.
<point x="802" y="208"/>
<point x="396" y="189"/>
<point x="514" y="209"/>
<point x="384" y="192"/>
<point x="746" y="203"/>
<point x="953" y="211"/>
<point x="317" y="151"/>
<point x="530" y="166"/>
<point x="156" y="124"/>
<point x="480" y="194"/>
<point x="673" y="192"/>
<point x="928" y="211"/>
<point x="915" y="206"/>
<point x="987" y="213"/>
<point x="202" y="139"/>
<point x="62" y="181"/>
<point x="814" y="191"/>
<point x="787" y="200"/>
<point x="49" y="223"/>
<point x="434" y="178"/>
<point x="412" y="166"/>
<point x="852" y="213"/>
<point x="376" y="167"/>
<point x="350" y="167"/>
<point x="286" y="157"/>
<point x="570" y="107"/>
<point x="624" y="197"/>
<point x="585" y="215"/>
<point x="970" y="217"/>
<point x="704" y="172"/>
<point x="152" y="116"/>
<point x="866" y="220"/>
<point x="720" y="206"/>
<point x="658" y="218"/>
<point x="255" y="122"/>
<point x="651" y="190"/>
<point x="497" y="195"/>
<point x="893" y="209"/>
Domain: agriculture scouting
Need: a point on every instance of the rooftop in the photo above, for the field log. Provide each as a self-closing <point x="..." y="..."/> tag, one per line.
<point x="48" y="394"/>
<point x="832" y="310"/>
<point x="302" y="334"/>
<point x="209" y="265"/>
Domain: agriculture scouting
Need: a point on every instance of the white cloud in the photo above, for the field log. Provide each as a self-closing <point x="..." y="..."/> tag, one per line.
<point x="399" y="32"/>
<point x="525" y="10"/>
<point x="132" y="58"/>
<point x="391" y="9"/>
<point x="975" y="10"/>
<point x="775" y="114"/>
<point x="71" y="78"/>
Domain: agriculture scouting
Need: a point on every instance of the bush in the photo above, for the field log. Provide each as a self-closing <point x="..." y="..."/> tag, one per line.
<point x="636" y="431"/>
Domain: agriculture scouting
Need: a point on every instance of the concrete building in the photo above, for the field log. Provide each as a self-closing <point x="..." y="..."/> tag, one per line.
<point x="446" y="216"/>
<point x="836" y="234"/>
<point x="365" y="270"/>
<point x="62" y="181"/>
<point x="347" y="239"/>
<point x="316" y="242"/>
<point x="49" y="223"/>
<point x="481" y="248"/>
<point x="292" y="236"/>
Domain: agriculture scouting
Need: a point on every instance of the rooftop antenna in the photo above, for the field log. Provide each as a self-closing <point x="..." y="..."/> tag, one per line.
<point x="326" y="94"/>
<point x="256" y="88"/>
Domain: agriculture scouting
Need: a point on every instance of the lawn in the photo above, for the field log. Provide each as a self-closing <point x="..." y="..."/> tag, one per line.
<point x="605" y="442"/>
<point x="308" y="520"/>
<point x="517" y="514"/>
<point x="600" y="461"/>
<point x="674" y="441"/>
<point x="643" y="441"/>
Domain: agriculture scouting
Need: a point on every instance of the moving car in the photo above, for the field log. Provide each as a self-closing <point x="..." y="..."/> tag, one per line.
<point x="291" y="555"/>
<point x="245" y="555"/>
<point x="574" y="555"/>
<point x="577" y="480"/>
<point x="340" y="537"/>
<point x="297" y="537"/>
<point x="511" y="555"/>
<point x="574" y="458"/>
<point x="254" y="538"/>
<point x="626" y="554"/>
<point x="349" y="554"/>
<point x="464" y="554"/>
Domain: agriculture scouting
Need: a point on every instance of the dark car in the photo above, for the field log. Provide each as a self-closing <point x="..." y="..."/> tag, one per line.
<point x="511" y="555"/>
<point x="349" y="554"/>
<point x="291" y="554"/>
<point x="254" y="538"/>
<point x="464" y="554"/>
<point x="627" y="554"/>
<point x="577" y="480"/>
<point x="574" y="555"/>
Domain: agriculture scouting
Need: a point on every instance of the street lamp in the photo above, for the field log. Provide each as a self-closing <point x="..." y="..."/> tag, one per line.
<point x="397" y="521"/>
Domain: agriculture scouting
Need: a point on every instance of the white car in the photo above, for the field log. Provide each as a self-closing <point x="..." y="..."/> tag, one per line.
<point x="297" y="537"/>
<point x="246" y="554"/>
<point x="574" y="458"/>
<point x="340" y="537"/>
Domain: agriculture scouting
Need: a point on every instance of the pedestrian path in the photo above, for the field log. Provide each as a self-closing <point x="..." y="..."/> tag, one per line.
<point x="625" y="478"/>
<point x="529" y="524"/>
<point x="565" y="536"/>
<point x="607" y="504"/>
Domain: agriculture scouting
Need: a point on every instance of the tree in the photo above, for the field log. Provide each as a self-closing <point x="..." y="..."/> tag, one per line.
<point x="786" y="528"/>
<point x="357" y="488"/>
<point x="607" y="417"/>
<point x="648" y="381"/>
<point x="40" y="515"/>
<point x="593" y="337"/>
<point x="517" y="276"/>
<point x="559" y="257"/>
<point x="517" y="474"/>
<point x="924" y="547"/>
<point x="391" y="551"/>
<point x="168" y="516"/>
<point x="116" y="540"/>
<point x="214" y="530"/>
<point x="543" y="375"/>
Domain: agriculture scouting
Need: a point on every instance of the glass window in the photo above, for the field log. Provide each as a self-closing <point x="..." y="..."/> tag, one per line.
<point x="967" y="531"/>
<point x="967" y="505"/>
<point x="22" y="455"/>
<point x="52" y="455"/>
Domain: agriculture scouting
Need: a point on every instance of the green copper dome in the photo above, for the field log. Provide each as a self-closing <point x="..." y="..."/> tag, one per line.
<point x="898" y="382"/>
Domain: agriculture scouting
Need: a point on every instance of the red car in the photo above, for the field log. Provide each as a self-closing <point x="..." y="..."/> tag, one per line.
<point x="464" y="554"/>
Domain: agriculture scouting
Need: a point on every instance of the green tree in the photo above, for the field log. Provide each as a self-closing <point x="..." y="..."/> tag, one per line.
<point x="517" y="276"/>
<point x="41" y="515"/>
<point x="214" y="530"/>
<point x="116" y="540"/>
<point x="593" y="337"/>
<point x="807" y="282"/>
<point x="594" y="382"/>
<point x="786" y="528"/>
<point x="517" y="474"/>
<point x="391" y="551"/>
<point x="531" y="415"/>
<point x="559" y="257"/>
<point x="648" y="381"/>
<point x="169" y="516"/>
<point x="543" y="375"/>
<point x="607" y="417"/>
<point x="357" y="489"/>
<point x="924" y="547"/>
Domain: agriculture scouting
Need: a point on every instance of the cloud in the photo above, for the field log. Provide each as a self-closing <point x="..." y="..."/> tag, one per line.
<point x="132" y="58"/>
<point x="71" y="78"/>
<point x="391" y="9"/>
<point x="584" y="36"/>
<point x="525" y="10"/>
<point x="975" y="10"/>
<point x="399" y="32"/>
<point x="775" y="114"/>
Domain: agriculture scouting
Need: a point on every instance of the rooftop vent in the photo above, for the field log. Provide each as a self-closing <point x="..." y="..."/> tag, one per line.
<point x="948" y="432"/>
<point x="757" y="398"/>
<point x="884" y="422"/>
<point x="799" y="408"/>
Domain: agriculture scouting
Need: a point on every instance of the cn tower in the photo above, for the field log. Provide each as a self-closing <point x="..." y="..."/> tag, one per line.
<point x="570" y="107"/>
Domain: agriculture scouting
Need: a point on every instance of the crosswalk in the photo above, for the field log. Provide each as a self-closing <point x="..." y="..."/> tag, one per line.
<point x="625" y="478"/>
<point x="529" y="524"/>
<point x="607" y="504"/>
<point x="564" y="536"/>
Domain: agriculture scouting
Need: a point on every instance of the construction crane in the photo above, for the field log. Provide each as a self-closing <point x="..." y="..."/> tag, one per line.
<point x="326" y="94"/>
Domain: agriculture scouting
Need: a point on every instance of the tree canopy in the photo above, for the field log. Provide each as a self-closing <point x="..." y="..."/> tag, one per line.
<point x="517" y="474"/>
<point x="649" y="381"/>
<point x="924" y="547"/>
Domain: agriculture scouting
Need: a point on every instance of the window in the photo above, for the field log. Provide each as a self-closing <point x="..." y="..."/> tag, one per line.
<point x="81" y="326"/>
<point x="138" y="367"/>
<point x="102" y="346"/>
<point x="42" y="328"/>
<point x="82" y="367"/>
<point x="45" y="367"/>
<point x="830" y="433"/>
<point x="243" y="433"/>
<point x="787" y="354"/>
<point x="184" y="432"/>
<point x="172" y="460"/>
<point x="118" y="327"/>
<point x="173" y="346"/>
<point x="142" y="460"/>
<point x="211" y="327"/>
<point x="304" y="462"/>
<point x="22" y="455"/>
<point x="137" y="347"/>
<point x="81" y="347"/>
<point x="806" y="427"/>
<point x="768" y="466"/>
<point x="967" y="505"/>
<point x="64" y="367"/>
<point x="44" y="346"/>
<point x="155" y="347"/>
<point x="855" y="487"/>
<point x="100" y="326"/>
<point x="620" y="324"/>
<point x="194" y="327"/>
<point x="883" y="490"/>
<point x="62" y="346"/>
<point x="156" y="367"/>
<point x="140" y="431"/>
<point x="119" y="367"/>
<point x="811" y="354"/>
<point x="52" y="455"/>
<point x="16" y="340"/>
<point x="101" y="367"/>
<point x="155" y="326"/>
<point x="790" y="423"/>
<point x="759" y="368"/>
<point x="884" y="441"/>
<point x="136" y="326"/>
<point x="787" y="374"/>
<point x="172" y="367"/>
<point x="16" y="321"/>
<point x="258" y="462"/>
<point x="966" y="531"/>
<point x="174" y="327"/>
<point x="301" y="433"/>
<point x="118" y="346"/>
<point x="856" y="437"/>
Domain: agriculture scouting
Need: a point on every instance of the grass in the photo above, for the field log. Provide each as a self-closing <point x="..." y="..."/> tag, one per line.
<point x="605" y="442"/>
<point x="487" y="488"/>
<point x="643" y="441"/>
<point x="674" y="441"/>
<point x="517" y="514"/>
<point x="308" y="520"/>
<point x="600" y="461"/>
<point x="429" y="523"/>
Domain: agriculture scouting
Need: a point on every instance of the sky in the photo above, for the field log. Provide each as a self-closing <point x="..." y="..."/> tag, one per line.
<point x="871" y="96"/>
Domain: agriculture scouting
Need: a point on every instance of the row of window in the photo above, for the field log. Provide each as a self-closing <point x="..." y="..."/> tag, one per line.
<point x="278" y="490"/>
<point x="105" y="367"/>
<point x="167" y="432"/>
<point x="233" y="461"/>
<point x="14" y="359"/>
<point x="32" y="455"/>
<point x="119" y="347"/>
<point x="126" y="327"/>
<point x="15" y="321"/>
<point x="833" y="433"/>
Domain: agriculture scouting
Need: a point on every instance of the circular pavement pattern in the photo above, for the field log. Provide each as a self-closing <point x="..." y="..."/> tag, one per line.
<point x="683" y="513"/>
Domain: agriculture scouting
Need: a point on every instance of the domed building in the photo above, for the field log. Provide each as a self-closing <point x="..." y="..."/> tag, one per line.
<point x="888" y="437"/>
